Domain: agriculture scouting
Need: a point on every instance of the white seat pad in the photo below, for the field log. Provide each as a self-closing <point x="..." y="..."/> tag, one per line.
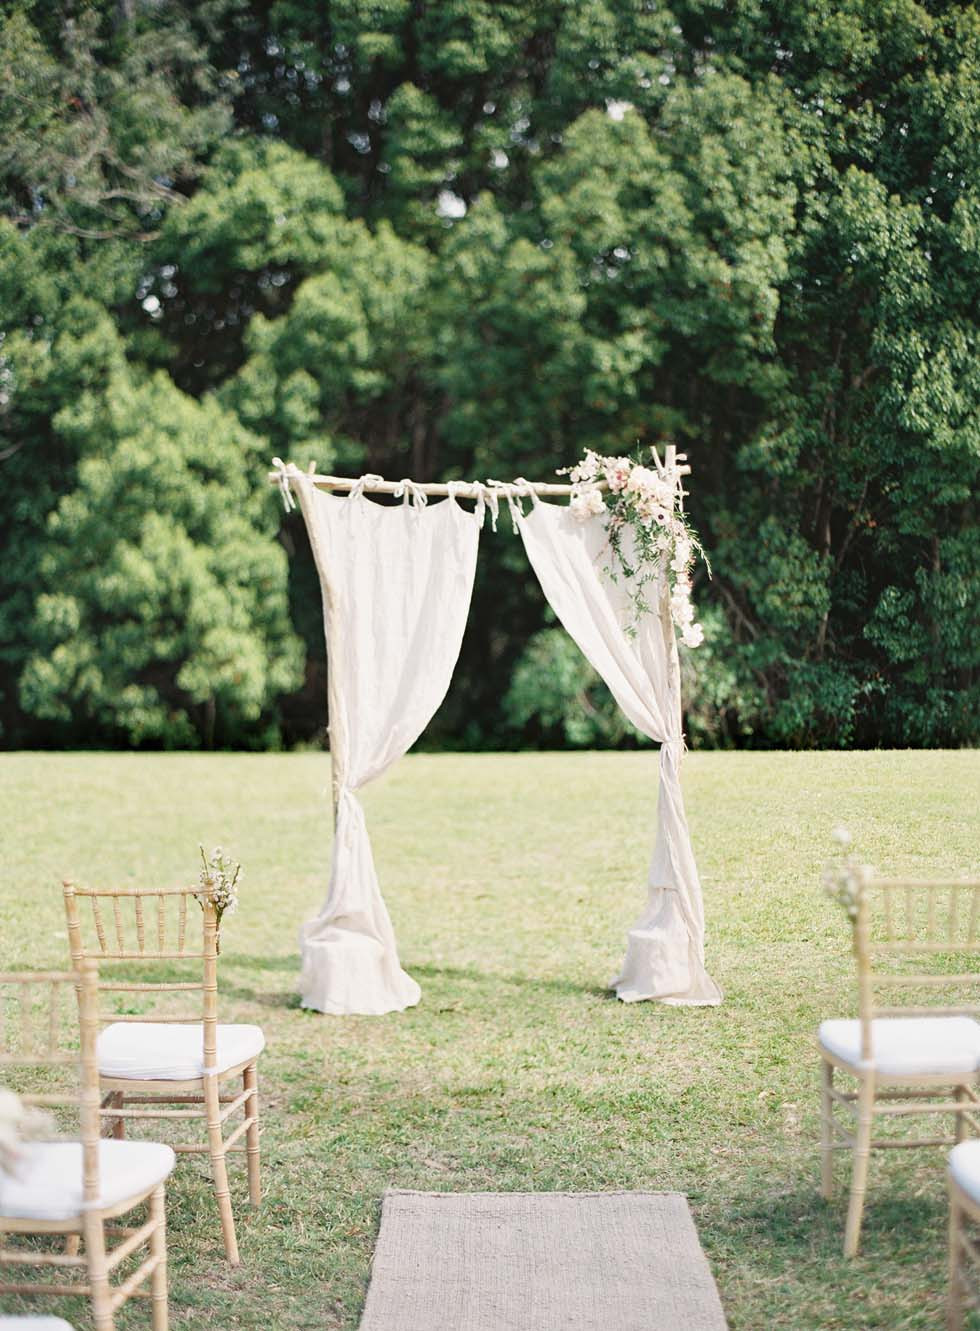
<point x="964" y="1165"/>
<point x="48" y="1182"/>
<point x="168" y="1051"/>
<point x="34" y="1324"/>
<point x="909" y="1046"/>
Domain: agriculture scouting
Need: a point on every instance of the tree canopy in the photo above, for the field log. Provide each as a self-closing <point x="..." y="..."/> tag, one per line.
<point x="473" y="238"/>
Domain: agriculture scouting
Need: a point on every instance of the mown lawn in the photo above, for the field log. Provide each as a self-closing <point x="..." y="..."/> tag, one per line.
<point x="512" y="880"/>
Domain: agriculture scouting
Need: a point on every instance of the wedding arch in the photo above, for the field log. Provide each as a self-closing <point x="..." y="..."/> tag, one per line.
<point x="396" y="582"/>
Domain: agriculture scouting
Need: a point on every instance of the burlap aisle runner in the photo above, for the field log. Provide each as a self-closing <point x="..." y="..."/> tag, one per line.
<point x="525" y="1261"/>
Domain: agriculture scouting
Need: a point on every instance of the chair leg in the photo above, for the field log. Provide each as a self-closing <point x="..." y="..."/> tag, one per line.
<point x="219" y="1169"/>
<point x="859" y="1176"/>
<point x="826" y="1131"/>
<point x="250" y="1082"/>
<point x="962" y="1127"/>
<point x="98" y="1272"/>
<point x="158" y="1248"/>
<point x="118" y="1124"/>
<point x="955" y="1292"/>
<point x="72" y="1244"/>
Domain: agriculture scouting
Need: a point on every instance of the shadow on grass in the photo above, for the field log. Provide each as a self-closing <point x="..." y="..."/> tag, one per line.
<point x="244" y="961"/>
<point x="421" y="971"/>
<point x="427" y="970"/>
<point x="801" y="1225"/>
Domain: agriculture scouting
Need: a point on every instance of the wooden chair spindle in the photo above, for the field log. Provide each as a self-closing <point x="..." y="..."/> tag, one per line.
<point x="140" y="930"/>
<point x="99" y="930"/>
<point x="120" y="931"/>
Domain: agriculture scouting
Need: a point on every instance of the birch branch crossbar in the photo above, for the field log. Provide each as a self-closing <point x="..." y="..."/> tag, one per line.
<point x="673" y="464"/>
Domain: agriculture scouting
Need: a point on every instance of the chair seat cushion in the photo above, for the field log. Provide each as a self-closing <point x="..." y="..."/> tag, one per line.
<point x="48" y="1182"/>
<point x="169" y="1051"/>
<point x="909" y="1046"/>
<point x="964" y="1165"/>
<point x="34" y="1324"/>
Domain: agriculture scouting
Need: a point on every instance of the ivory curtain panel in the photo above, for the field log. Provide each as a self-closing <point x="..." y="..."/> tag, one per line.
<point x="397" y="582"/>
<point x="571" y="556"/>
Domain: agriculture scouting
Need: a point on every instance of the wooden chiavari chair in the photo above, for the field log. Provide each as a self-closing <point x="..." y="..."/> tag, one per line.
<point x="964" y="1224"/>
<point x="76" y="1188"/>
<point x="178" y="1059"/>
<point x="913" y="1054"/>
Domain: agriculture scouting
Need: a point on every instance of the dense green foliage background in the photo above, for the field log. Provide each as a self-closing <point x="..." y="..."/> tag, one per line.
<point x="472" y="238"/>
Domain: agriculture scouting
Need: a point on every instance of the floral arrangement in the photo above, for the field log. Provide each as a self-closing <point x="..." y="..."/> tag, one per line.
<point x="19" y="1123"/>
<point x="642" y="500"/>
<point x="218" y="881"/>
<point x="844" y="881"/>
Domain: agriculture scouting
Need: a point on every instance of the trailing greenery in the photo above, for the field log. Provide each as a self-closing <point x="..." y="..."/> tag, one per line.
<point x="476" y="239"/>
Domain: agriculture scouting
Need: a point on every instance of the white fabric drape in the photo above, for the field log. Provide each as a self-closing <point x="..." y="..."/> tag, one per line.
<point x="571" y="556"/>
<point x="396" y="585"/>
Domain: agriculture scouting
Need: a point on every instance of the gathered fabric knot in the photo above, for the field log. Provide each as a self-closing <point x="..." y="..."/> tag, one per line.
<point x="283" y="472"/>
<point x="407" y="489"/>
<point x="513" y="491"/>
<point x="369" y="478"/>
<point x="495" y="491"/>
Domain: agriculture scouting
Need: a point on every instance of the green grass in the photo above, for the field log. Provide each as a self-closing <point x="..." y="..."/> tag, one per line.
<point x="512" y="880"/>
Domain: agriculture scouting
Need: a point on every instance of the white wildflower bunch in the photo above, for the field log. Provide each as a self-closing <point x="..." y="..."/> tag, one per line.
<point x="845" y="880"/>
<point x="19" y="1124"/>
<point x="643" y="500"/>
<point x="218" y="882"/>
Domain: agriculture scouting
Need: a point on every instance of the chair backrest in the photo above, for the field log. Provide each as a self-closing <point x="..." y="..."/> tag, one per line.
<point x="37" y="1009"/>
<point x="910" y="938"/>
<point x="154" y="926"/>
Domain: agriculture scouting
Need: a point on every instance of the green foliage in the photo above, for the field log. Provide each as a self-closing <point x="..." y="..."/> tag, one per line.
<point x="555" y="692"/>
<point x="162" y="617"/>
<point x="98" y="131"/>
<point x="474" y="239"/>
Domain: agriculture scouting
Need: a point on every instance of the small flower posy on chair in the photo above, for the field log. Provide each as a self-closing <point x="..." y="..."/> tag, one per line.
<point x="19" y="1124"/>
<point x="218" y="881"/>
<point x="642" y="500"/>
<point x="846" y="879"/>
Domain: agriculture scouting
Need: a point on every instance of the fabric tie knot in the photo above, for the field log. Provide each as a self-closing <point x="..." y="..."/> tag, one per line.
<point x="283" y="471"/>
<point x="407" y="489"/>
<point x="369" y="478"/>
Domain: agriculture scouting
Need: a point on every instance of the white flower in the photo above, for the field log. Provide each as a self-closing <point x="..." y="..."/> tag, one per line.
<point x="19" y="1123"/>
<point x="642" y="481"/>
<point x="693" y="635"/>
<point x="587" y="503"/>
<point x="845" y="881"/>
<point x="218" y="882"/>
<point x="617" y="472"/>
<point x="650" y="510"/>
<point x="650" y="486"/>
<point x="587" y="469"/>
<point x="682" y="612"/>
<point x="682" y="556"/>
<point x="663" y="492"/>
